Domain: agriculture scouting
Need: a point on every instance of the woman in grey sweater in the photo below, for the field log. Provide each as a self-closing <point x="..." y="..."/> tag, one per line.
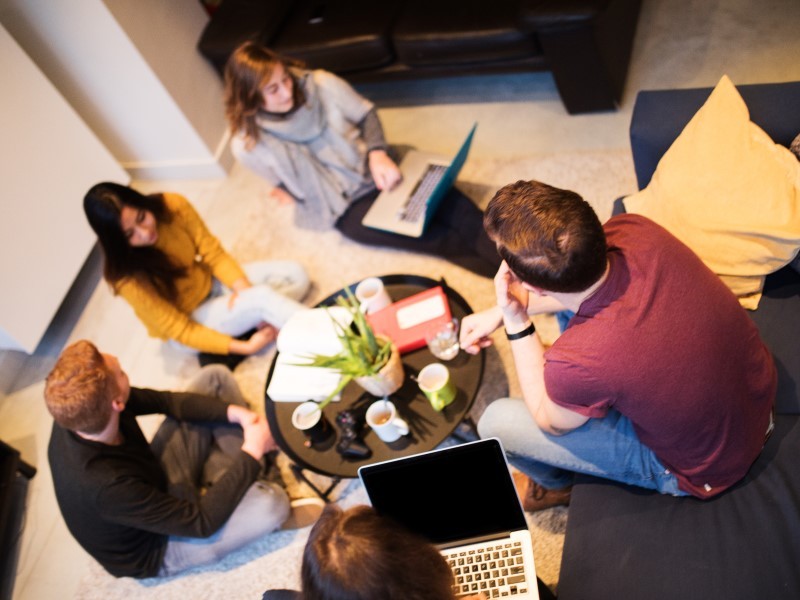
<point x="321" y="145"/>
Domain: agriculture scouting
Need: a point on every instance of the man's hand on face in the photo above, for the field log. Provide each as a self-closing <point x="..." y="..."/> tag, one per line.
<point x="512" y="297"/>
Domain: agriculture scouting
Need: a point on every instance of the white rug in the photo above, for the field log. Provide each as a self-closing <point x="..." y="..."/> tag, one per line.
<point x="252" y="228"/>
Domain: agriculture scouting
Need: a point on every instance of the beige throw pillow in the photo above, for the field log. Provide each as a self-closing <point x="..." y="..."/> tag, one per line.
<point x="728" y="192"/>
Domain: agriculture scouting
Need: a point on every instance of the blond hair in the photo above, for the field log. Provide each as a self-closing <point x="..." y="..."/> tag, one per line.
<point x="78" y="390"/>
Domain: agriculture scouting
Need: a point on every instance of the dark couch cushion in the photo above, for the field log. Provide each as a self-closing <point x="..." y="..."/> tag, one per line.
<point x="624" y="542"/>
<point x="536" y="15"/>
<point x="659" y="117"/>
<point x="449" y="32"/>
<point x="237" y="21"/>
<point x="778" y="320"/>
<point x="339" y="36"/>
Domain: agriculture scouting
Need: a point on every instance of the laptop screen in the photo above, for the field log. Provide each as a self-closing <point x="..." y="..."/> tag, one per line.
<point x="448" y="495"/>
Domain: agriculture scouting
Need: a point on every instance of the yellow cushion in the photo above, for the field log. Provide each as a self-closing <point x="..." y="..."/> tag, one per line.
<point x="728" y="192"/>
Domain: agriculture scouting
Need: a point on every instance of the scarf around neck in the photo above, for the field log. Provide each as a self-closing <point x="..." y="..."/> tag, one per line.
<point x="317" y="151"/>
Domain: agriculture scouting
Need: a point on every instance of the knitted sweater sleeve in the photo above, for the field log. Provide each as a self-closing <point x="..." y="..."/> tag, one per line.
<point x="209" y="249"/>
<point x="257" y="159"/>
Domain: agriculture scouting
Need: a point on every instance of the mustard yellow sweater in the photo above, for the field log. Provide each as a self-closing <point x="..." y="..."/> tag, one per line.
<point x="189" y="244"/>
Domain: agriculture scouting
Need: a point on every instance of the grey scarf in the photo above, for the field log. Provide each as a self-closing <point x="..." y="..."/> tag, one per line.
<point x="317" y="148"/>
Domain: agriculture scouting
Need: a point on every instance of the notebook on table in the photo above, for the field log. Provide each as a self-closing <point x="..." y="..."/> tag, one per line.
<point x="462" y="498"/>
<point x="408" y="208"/>
<point x="406" y="321"/>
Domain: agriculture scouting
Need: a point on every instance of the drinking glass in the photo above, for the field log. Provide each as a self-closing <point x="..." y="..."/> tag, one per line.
<point x="442" y="340"/>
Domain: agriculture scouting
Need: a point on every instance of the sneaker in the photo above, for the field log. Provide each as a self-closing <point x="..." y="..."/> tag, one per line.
<point x="535" y="497"/>
<point x="304" y="512"/>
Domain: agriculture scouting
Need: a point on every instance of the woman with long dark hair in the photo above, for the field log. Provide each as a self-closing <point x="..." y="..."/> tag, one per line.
<point x="321" y="145"/>
<point x="178" y="278"/>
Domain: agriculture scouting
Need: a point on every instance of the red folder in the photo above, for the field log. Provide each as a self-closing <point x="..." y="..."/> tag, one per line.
<point x="406" y="321"/>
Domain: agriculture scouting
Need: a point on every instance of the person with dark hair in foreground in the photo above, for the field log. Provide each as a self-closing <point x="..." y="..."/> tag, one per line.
<point x="186" y="499"/>
<point x="359" y="554"/>
<point x="321" y="145"/>
<point x="181" y="282"/>
<point x="660" y="379"/>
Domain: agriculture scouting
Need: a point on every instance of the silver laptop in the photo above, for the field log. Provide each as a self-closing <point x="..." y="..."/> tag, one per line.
<point x="408" y="208"/>
<point x="462" y="498"/>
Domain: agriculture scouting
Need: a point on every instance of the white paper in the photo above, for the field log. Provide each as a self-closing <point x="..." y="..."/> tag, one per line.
<point x="419" y="312"/>
<point x="312" y="331"/>
<point x="291" y="382"/>
<point x="307" y="332"/>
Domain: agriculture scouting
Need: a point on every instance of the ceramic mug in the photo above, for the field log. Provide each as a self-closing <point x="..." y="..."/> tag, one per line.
<point x="308" y="418"/>
<point x="372" y="295"/>
<point x="382" y="418"/>
<point x="435" y="382"/>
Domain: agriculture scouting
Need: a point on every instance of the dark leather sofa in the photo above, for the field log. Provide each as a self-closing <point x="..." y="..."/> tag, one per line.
<point x="624" y="542"/>
<point x="586" y="44"/>
<point x="15" y="476"/>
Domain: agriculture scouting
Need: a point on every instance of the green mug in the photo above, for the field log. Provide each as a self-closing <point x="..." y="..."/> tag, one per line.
<point x="435" y="382"/>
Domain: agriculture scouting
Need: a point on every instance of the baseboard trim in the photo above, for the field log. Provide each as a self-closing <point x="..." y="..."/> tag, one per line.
<point x="18" y="369"/>
<point x="215" y="167"/>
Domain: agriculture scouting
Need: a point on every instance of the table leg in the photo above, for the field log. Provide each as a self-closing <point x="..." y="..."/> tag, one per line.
<point x="325" y="495"/>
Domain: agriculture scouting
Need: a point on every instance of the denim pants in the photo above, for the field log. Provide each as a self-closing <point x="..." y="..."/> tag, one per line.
<point x="607" y="447"/>
<point x="278" y="286"/>
<point x="193" y="456"/>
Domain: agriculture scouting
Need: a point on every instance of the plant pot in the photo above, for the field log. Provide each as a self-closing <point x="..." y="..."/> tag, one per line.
<point x="386" y="381"/>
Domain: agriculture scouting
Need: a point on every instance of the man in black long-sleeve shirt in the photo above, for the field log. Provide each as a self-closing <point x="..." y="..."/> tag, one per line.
<point x="142" y="509"/>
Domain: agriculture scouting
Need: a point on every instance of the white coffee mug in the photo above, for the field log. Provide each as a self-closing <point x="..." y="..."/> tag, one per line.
<point x="372" y="295"/>
<point x="382" y="418"/>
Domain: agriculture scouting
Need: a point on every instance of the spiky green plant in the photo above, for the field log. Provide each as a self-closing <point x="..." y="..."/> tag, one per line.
<point x="363" y="353"/>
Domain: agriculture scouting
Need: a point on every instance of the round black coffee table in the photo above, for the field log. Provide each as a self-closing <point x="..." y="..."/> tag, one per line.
<point x="428" y="427"/>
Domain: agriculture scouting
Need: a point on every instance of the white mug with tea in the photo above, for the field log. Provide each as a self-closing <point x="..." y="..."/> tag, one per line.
<point x="382" y="418"/>
<point x="372" y="295"/>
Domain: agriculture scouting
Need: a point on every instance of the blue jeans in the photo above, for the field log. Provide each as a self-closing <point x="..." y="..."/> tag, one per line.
<point x="564" y="317"/>
<point x="607" y="447"/>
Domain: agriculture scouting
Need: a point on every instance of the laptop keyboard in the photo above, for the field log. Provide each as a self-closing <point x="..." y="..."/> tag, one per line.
<point x="495" y="569"/>
<point x="414" y="208"/>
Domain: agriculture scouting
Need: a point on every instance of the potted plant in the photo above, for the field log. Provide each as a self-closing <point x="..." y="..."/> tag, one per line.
<point x="371" y="360"/>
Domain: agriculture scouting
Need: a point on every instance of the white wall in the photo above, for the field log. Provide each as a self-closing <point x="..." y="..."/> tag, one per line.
<point x="48" y="159"/>
<point x="131" y="70"/>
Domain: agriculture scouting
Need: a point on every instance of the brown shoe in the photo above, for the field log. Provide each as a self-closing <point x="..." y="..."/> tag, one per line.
<point x="535" y="497"/>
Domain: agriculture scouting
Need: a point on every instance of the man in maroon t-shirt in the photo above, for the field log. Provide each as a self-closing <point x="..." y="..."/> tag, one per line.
<point x="661" y="379"/>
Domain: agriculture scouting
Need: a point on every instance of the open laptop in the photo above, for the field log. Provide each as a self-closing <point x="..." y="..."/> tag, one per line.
<point x="462" y="498"/>
<point x="408" y="208"/>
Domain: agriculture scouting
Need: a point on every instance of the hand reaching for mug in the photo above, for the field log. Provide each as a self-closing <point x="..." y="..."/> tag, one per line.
<point x="476" y="329"/>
